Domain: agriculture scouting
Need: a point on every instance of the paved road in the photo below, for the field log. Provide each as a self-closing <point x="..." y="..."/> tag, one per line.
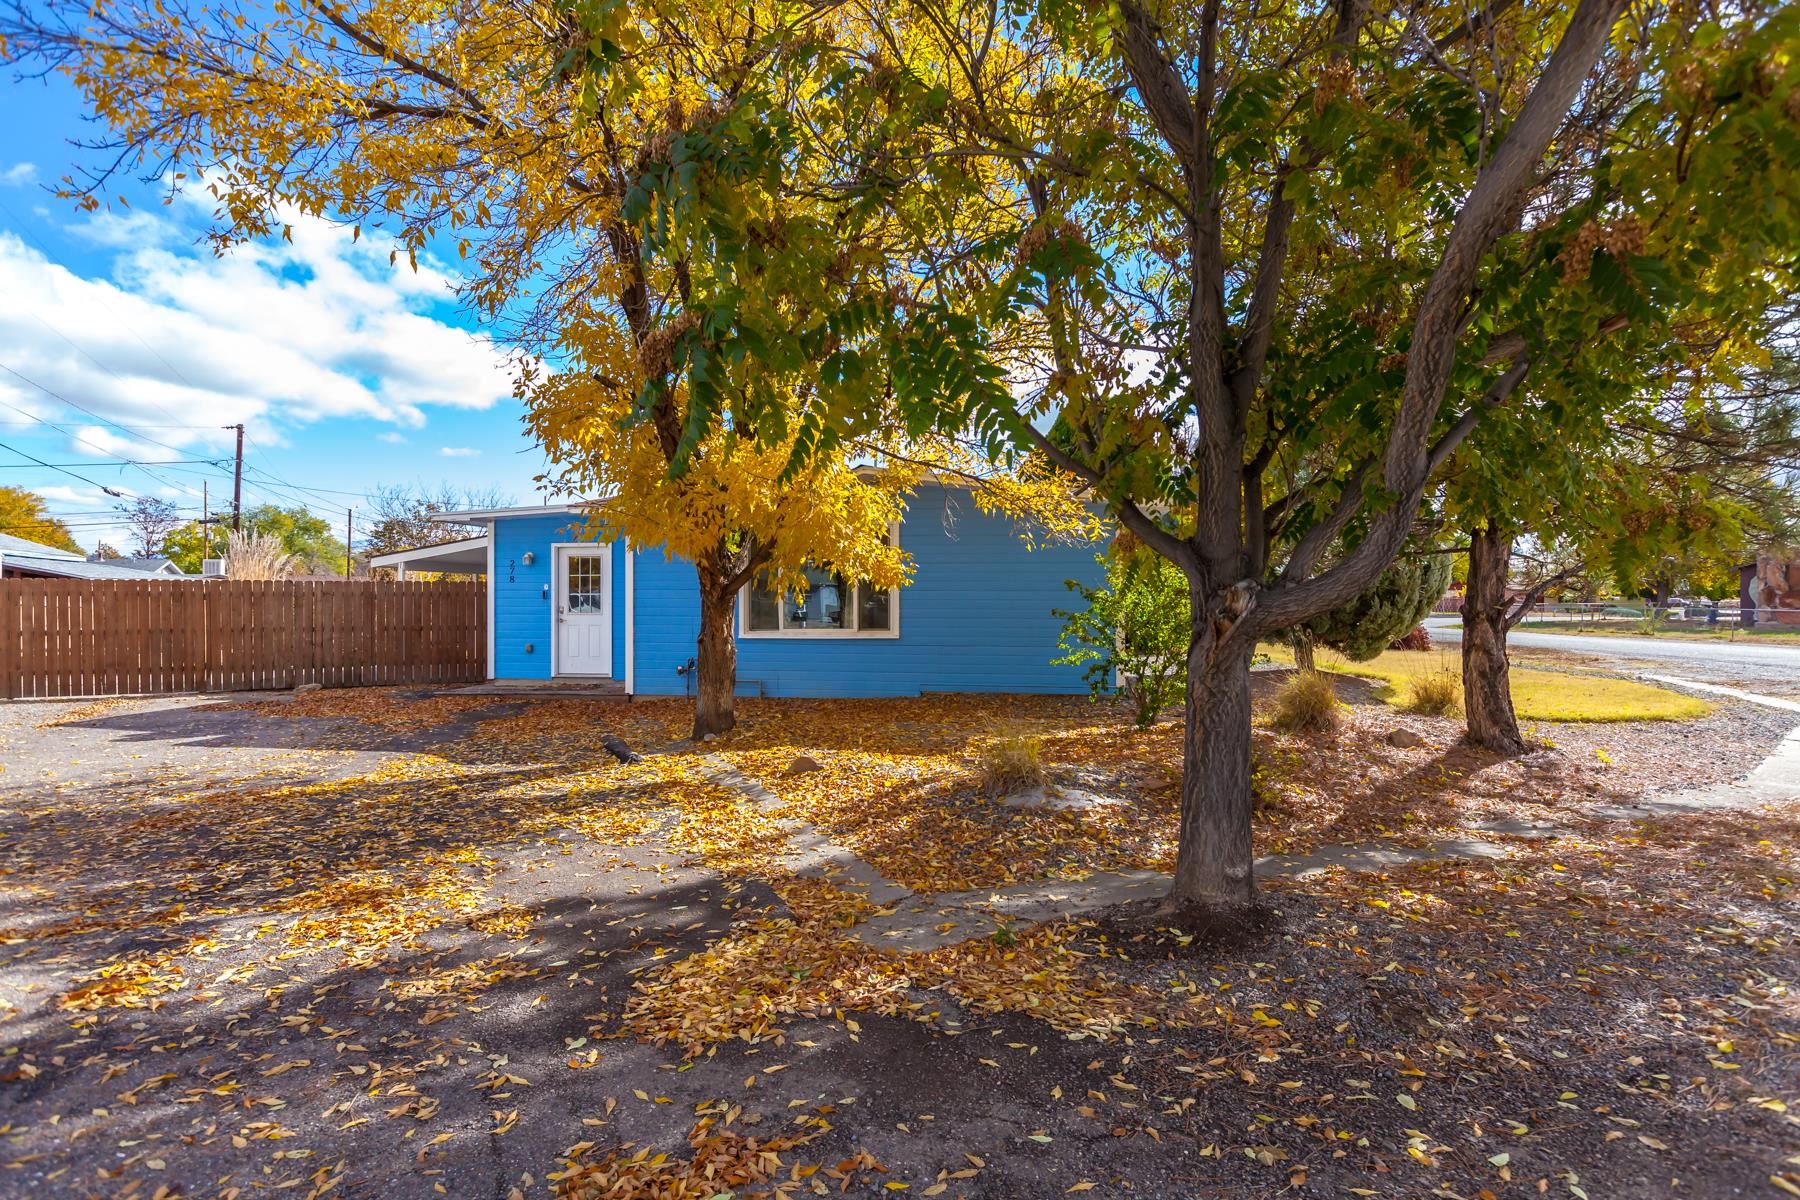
<point x="1770" y="666"/>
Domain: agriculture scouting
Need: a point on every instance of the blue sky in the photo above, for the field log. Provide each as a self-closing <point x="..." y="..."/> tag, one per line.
<point x="122" y="337"/>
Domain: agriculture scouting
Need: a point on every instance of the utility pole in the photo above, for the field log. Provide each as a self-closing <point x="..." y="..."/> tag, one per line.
<point x="349" y="531"/>
<point x="237" y="483"/>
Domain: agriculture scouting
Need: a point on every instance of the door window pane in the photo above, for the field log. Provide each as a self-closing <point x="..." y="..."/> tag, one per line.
<point x="583" y="578"/>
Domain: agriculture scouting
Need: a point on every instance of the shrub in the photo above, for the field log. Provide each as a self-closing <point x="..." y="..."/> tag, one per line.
<point x="1306" y="703"/>
<point x="1435" y="693"/>
<point x="1402" y="597"/>
<point x="1012" y="763"/>
<point x="1418" y="639"/>
<point x="1133" y="636"/>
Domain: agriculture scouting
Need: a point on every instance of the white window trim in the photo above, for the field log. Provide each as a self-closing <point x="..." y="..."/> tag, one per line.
<point x="744" y="631"/>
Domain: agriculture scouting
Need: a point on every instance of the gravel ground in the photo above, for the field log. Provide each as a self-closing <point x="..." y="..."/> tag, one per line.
<point x="465" y="1060"/>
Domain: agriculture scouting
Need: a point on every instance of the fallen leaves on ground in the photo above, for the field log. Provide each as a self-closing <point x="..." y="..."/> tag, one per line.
<point x="719" y="1162"/>
<point x="242" y="943"/>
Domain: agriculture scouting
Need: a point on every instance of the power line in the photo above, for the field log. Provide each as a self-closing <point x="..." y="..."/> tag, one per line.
<point x="72" y="475"/>
<point x="142" y="466"/>
<point x="270" y="483"/>
<point x="123" y="462"/>
<point x="40" y="421"/>
<point x="126" y="429"/>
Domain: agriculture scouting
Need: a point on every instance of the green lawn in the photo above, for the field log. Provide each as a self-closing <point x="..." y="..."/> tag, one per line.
<point x="1537" y="695"/>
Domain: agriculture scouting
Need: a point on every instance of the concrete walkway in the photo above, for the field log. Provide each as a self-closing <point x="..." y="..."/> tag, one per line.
<point x="910" y="922"/>
<point x="809" y="851"/>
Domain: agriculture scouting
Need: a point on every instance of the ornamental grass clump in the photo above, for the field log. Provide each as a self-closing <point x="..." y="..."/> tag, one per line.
<point x="257" y="556"/>
<point x="1306" y="703"/>
<point x="1434" y="694"/>
<point x="1011" y="764"/>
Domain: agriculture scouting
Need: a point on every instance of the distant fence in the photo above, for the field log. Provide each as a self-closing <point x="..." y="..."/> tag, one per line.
<point x="79" y="637"/>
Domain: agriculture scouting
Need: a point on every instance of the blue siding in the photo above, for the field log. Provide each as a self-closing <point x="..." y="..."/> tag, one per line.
<point x="523" y="606"/>
<point x="668" y="622"/>
<point x="977" y="618"/>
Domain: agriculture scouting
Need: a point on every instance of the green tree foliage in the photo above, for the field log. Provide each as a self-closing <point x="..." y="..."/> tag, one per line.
<point x="1264" y="269"/>
<point x="190" y="545"/>
<point x="1384" y="613"/>
<point x="1132" y="637"/>
<point x="302" y="534"/>
<point x="23" y="515"/>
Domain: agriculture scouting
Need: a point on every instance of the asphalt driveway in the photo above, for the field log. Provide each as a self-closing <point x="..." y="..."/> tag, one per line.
<point x="1745" y="663"/>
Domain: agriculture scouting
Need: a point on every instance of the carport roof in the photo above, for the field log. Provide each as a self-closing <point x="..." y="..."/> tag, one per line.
<point x="465" y="556"/>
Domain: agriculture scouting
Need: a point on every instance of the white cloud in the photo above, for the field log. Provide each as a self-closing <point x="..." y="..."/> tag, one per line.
<point x="18" y="175"/>
<point x="107" y="441"/>
<point x="85" y="498"/>
<point x="392" y="437"/>
<point x="274" y="334"/>
<point x="458" y="452"/>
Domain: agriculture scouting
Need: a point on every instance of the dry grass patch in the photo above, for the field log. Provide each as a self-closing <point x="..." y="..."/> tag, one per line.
<point x="1434" y="694"/>
<point x="1011" y="764"/>
<point x="1306" y="704"/>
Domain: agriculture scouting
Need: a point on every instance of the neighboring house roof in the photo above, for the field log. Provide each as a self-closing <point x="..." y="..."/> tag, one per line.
<point x="149" y="566"/>
<point x="18" y="545"/>
<point x="20" y="557"/>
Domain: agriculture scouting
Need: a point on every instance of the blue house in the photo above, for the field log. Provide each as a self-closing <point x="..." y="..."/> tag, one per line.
<point x="977" y="617"/>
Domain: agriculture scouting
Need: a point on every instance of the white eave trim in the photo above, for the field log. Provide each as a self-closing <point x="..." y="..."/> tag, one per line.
<point x="427" y="553"/>
<point x="481" y="516"/>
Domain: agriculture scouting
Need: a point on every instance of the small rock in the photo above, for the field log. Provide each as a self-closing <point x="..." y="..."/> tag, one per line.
<point x="1054" y="799"/>
<point x="804" y="764"/>
<point x="709" y="737"/>
<point x="1404" y="739"/>
<point x="303" y="688"/>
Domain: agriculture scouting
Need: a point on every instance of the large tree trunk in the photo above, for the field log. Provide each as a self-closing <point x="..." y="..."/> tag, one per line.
<point x="1487" y="687"/>
<point x="715" y="676"/>
<point x="1213" y="868"/>
<point x="1304" y="658"/>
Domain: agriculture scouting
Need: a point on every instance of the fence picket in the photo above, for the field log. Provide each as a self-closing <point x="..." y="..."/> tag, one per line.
<point x="81" y="637"/>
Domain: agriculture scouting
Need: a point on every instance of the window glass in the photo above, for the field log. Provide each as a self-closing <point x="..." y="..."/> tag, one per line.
<point x="872" y="605"/>
<point x="823" y="605"/>
<point x="763" y="607"/>
<point x="831" y="603"/>
<point x="585" y="584"/>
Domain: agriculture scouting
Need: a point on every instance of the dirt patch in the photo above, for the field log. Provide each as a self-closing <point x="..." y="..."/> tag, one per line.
<point x="1154" y="928"/>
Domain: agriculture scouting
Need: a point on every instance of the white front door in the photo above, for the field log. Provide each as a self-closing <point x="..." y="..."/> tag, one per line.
<point x="583" y="615"/>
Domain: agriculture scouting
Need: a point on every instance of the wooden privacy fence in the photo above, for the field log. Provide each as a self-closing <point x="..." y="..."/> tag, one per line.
<point x="88" y="637"/>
